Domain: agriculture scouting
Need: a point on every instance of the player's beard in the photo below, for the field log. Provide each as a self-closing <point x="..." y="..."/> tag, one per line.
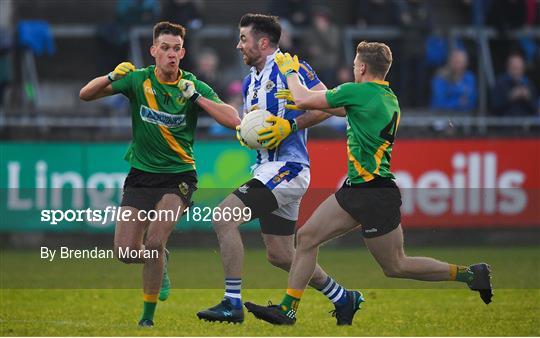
<point x="247" y="60"/>
<point x="250" y="59"/>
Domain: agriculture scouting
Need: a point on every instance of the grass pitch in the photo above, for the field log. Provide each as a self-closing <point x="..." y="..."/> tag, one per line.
<point x="393" y="307"/>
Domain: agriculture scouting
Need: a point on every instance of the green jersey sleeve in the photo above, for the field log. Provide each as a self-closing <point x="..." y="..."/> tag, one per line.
<point x="207" y="91"/>
<point x="124" y="85"/>
<point x="344" y="95"/>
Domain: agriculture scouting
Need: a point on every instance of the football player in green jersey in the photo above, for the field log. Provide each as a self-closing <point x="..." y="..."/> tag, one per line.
<point x="165" y="102"/>
<point x="369" y="198"/>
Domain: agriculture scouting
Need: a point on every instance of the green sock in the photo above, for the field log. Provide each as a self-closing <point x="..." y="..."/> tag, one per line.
<point x="289" y="303"/>
<point x="463" y="274"/>
<point x="148" y="310"/>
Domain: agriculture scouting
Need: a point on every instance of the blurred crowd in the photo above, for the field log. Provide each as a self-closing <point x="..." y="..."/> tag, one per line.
<point x="432" y="69"/>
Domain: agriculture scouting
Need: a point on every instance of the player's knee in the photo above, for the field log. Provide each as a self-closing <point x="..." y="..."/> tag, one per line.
<point x="221" y="225"/>
<point x="305" y="239"/>
<point x="393" y="270"/>
<point x="280" y="260"/>
<point x="154" y="245"/>
<point x="120" y="251"/>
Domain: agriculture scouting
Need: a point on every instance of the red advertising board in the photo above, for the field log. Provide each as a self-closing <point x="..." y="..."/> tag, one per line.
<point x="447" y="183"/>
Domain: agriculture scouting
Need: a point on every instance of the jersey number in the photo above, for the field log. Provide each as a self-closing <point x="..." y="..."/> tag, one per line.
<point x="389" y="131"/>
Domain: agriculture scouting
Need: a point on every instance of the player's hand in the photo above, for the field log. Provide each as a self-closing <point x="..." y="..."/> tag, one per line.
<point x="287" y="64"/>
<point x="188" y="90"/>
<point x="239" y="138"/>
<point x="286" y="94"/>
<point x="271" y="137"/>
<point x="120" y="71"/>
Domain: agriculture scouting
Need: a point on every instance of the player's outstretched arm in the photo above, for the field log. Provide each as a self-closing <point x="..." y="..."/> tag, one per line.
<point x="101" y="86"/>
<point x="303" y="97"/>
<point x="281" y="128"/>
<point x="314" y="116"/>
<point x="224" y="114"/>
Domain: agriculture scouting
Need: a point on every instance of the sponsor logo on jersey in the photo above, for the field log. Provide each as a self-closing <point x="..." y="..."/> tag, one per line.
<point x="310" y="75"/>
<point x="370" y="230"/>
<point x="164" y="119"/>
<point x="269" y="86"/>
<point x="181" y="100"/>
<point x="243" y="189"/>
<point x="335" y="90"/>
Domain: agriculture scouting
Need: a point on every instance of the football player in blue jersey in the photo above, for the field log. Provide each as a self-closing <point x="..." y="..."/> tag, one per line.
<point x="280" y="177"/>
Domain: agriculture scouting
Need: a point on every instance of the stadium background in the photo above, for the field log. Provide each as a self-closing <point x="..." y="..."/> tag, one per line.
<point x="469" y="173"/>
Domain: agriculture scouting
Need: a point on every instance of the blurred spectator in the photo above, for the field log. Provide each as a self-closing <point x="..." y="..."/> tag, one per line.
<point x="235" y="99"/>
<point x="188" y="13"/>
<point x="207" y="70"/>
<point x="507" y="15"/>
<point x="454" y="87"/>
<point x="514" y="94"/>
<point x="344" y="74"/>
<point x="234" y="95"/>
<point x="297" y="12"/>
<point x="374" y="13"/>
<point x="415" y="25"/>
<point x="114" y="37"/>
<point x="286" y="43"/>
<point x="130" y="13"/>
<point x="322" y="46"/>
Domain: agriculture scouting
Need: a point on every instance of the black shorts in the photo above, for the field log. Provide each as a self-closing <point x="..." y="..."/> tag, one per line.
<point x="143" y="190"/>
<point x="257" y="197"/>
<point x="374" y="204"/>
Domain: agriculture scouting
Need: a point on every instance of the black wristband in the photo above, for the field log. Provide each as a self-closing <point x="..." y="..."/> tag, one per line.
<point x="195" y="97"/>
<point x="294" y="126"/>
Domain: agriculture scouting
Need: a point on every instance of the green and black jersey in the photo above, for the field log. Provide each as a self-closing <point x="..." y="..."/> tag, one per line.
<point x="163" y="121"/>
<point x="372" y="119"/>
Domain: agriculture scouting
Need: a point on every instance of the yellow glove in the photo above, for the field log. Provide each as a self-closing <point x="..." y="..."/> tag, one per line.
<point x="239" y="138"/>
<point x="287" y="64"/>
<point x="272" y="136"/>
<point x="286" y="94"/>
<point x="188" y="90"/>
<point x="120" y="71"/>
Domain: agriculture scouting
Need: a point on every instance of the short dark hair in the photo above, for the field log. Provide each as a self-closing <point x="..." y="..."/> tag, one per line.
<point x="166" y="27"/>
<point x="267" y="25"/>
<point x="376" y="55"/>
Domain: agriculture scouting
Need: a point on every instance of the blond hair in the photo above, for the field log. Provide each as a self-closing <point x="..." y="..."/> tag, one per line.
<point x="377" y="56"/>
